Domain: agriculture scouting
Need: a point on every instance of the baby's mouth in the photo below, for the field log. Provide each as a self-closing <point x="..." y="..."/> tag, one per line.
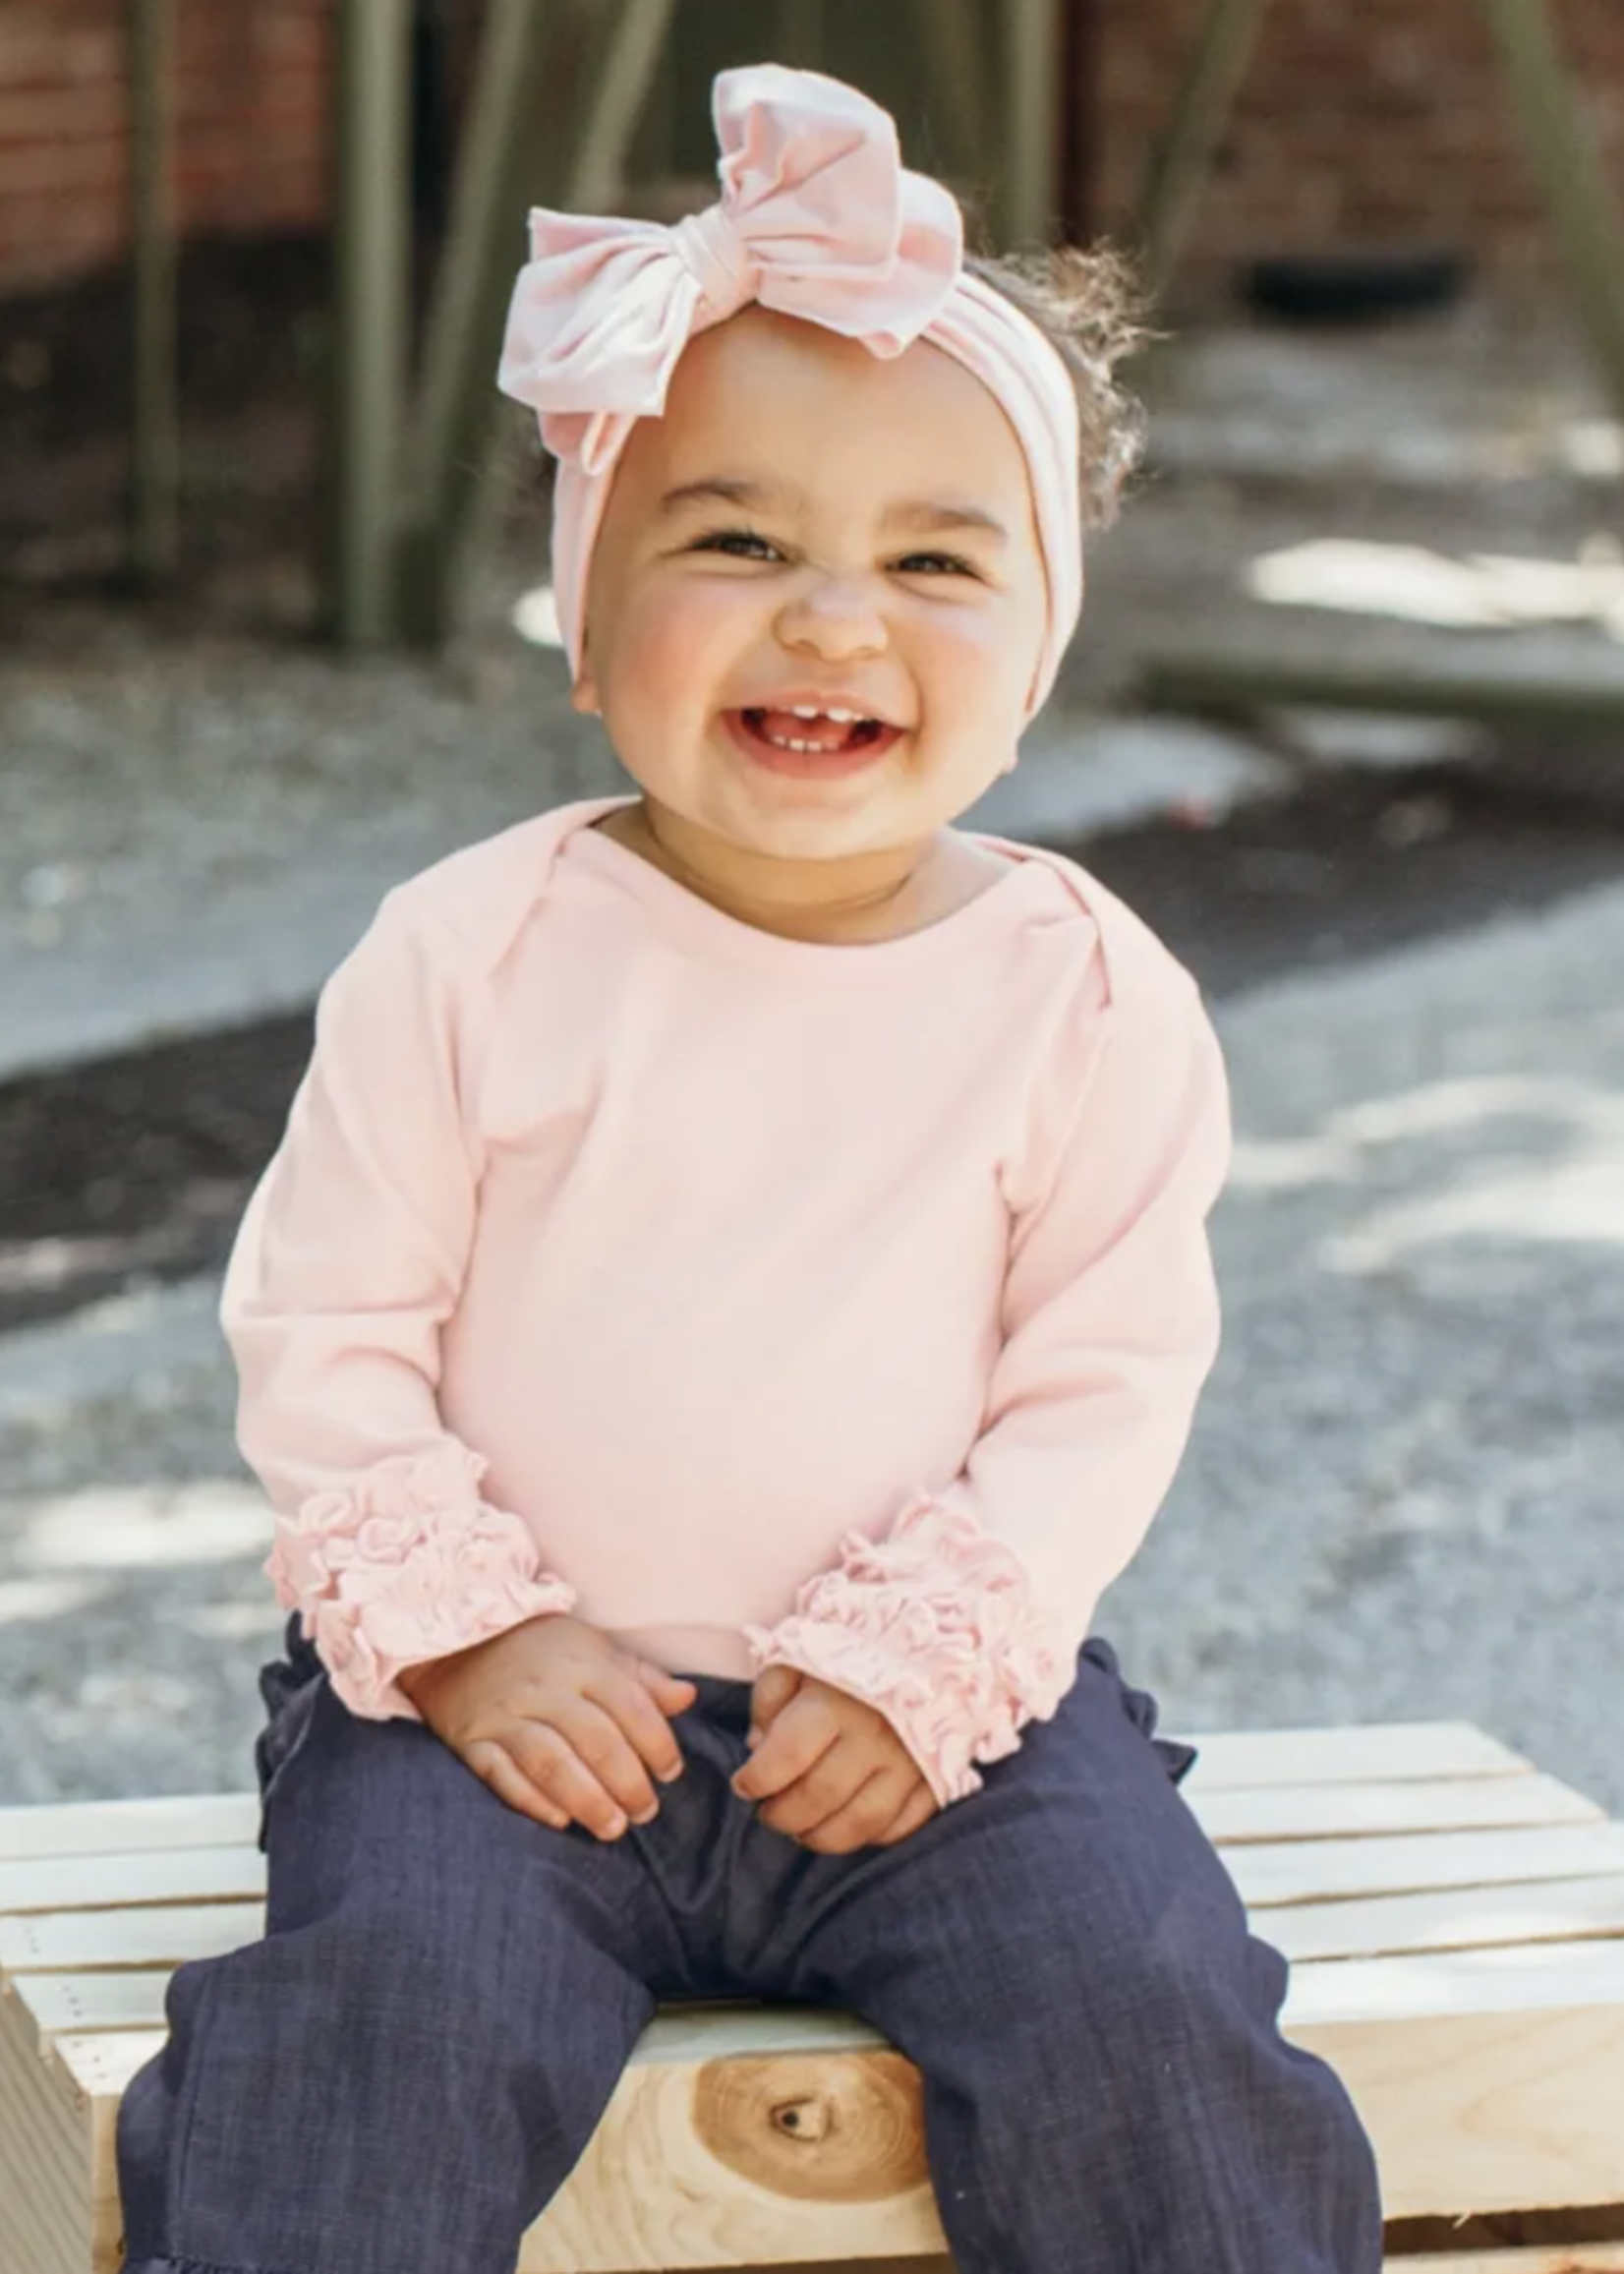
<point x="814" y="733"/>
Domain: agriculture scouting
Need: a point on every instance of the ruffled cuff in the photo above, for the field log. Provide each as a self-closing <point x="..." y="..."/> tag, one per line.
<point x="408" y="1564"/>
<point x="934" y="1624"/>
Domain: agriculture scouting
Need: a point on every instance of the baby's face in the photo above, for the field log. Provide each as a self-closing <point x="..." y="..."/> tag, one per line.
<point x="810" y="529"/>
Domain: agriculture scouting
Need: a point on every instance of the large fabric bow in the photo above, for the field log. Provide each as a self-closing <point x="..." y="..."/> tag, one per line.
<point x="818" y="218"/>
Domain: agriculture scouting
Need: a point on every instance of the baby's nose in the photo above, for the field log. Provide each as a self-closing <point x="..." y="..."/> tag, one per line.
<point x="834" y="619"/>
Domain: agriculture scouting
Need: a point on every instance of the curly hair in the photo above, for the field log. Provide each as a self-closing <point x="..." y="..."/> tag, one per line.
<point x="1089" y="307"/>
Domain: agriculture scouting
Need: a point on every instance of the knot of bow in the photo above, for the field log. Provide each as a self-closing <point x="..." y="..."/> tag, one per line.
<point x="818" y="218"/>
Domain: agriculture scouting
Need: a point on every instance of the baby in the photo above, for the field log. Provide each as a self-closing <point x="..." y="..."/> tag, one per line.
<point x="731" y="1297"/>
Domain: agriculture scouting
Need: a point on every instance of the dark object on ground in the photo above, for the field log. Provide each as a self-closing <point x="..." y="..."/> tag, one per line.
<point x="1355" y="286"/>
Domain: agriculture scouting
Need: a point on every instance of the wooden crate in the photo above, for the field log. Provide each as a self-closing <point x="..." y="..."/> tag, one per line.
<point x="1454" y="1918"/>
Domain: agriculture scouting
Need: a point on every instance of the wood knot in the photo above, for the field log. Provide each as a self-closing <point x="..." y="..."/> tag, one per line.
<point x="829" y="2127"/>
<point x="803" y="2118"/>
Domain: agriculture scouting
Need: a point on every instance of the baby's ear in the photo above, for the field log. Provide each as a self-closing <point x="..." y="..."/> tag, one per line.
<point x="583" y="693"/>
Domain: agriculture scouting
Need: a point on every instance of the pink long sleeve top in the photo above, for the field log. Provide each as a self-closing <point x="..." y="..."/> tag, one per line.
<point x="760" y="1301"/>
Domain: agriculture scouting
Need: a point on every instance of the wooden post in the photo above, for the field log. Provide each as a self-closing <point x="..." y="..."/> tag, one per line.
<point x="453" y="464"/>
<point x="1029" y="173"/>
<point x="800" y="34"/>
<point x="1200" y="112"/>
<point x="1082" y="129"/>
<point x="371" y="296"/>
<point x="482" y="247"/>
<point x="613" y="99"/>
<point x="154" y="436"/>
<point x="1563" y="156"/>
<point x="948" y="36"/>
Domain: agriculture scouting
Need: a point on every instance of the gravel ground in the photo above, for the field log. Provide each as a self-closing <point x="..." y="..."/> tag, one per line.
<point x="1402" y="1500"/>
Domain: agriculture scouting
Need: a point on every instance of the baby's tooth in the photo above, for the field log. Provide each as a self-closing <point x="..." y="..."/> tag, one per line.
<point x="804" y="711"/>
<point x="842" y="718"/>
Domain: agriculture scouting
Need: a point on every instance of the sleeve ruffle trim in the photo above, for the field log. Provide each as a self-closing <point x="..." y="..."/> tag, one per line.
<point x="408" y="1564"/>
<point x="934" y="1624"/>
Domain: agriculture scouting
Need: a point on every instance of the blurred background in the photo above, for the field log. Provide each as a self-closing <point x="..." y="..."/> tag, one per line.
<point x="1345" y="721"/>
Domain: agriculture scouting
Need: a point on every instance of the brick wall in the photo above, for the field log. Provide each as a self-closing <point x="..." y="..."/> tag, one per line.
<point x="1363" y="122"/>
<point x="251" y="127"/>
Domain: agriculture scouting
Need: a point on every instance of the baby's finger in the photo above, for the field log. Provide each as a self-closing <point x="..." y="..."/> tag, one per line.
<point x="797" y="1740"/>
<point x="671" y="1693"/>
<point x="600" y="1741"/>
<point x="630" y="1703"/>
<point x="773" y="1692"/>
<point x="494" y="1766"/>
<point x="916" y="1811"/>
<point x="548" y="1757"/>
<point x="871" y="1809"/>
<point x="828" y="1786"/>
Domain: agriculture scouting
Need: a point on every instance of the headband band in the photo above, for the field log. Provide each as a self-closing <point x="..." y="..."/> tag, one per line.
<point x="818" y="218"/>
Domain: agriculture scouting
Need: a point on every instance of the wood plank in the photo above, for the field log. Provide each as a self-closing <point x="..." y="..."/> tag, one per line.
<point x="1457" y="1918"/>
<point x="1307" y="1812"/>
<point x="1562" y="2258"/>
<point x="102" y="1882"/>
<point x="103" y="2064"/>
<point x="1373" y="1752"/>
<point x="161" y="1935"/>
<point x="1551" y="2259"/>
<point x="696" y="2167"/>
<point x="73" y="2004"/>
<point x="1265" y="1872"/>
<point x="1487" y="2112"/>
<point x="100" y="2068"/>
<point x="113" y="1826"/>
<point x="87" y="1880"/>
<point x="1314" y="1870"/>
<point x="1379" y="1752"/>
<point x="45" y="2161"/>
<point x="157" y="1935"/>
<point x="1543" y="1977"/>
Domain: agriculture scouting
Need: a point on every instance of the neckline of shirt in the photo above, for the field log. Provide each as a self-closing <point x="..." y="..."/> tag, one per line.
<point x="712" y="925"/>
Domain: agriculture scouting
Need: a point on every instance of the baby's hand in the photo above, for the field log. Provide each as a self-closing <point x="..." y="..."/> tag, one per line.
<point x="560" y="1723"/>
<point x="831" y="1769"/>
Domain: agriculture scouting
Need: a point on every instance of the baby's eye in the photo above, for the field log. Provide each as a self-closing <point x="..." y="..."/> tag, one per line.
<point x="740" y="544"/>
<point x="935" y="564"/>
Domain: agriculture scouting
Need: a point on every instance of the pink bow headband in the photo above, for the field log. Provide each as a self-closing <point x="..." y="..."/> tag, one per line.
<point x="819" y="219"/>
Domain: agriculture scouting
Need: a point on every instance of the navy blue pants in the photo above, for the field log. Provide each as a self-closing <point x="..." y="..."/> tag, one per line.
<point x="398" y="2078"/>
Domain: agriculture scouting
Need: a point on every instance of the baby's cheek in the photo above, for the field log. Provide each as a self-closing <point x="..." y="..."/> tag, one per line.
<point x="683" y="642"/>
<point x="981" y="671"/>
